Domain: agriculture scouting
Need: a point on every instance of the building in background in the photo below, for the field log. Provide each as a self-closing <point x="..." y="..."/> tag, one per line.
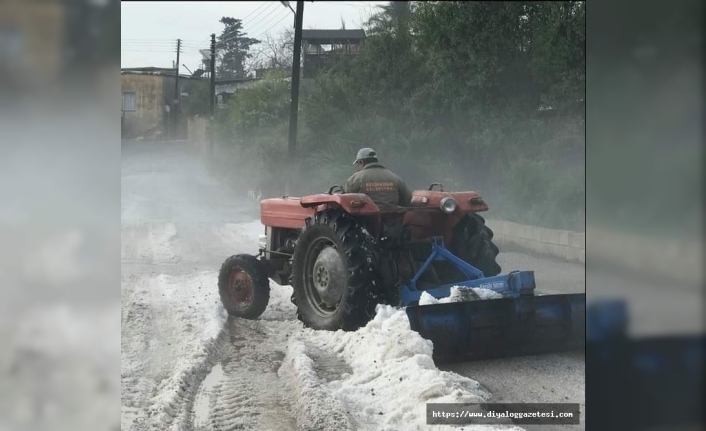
<point x="227" y="87"/>
<point x="264" y="71"/>
<point x="319" y="46"/>
<point x="150" y="106"/>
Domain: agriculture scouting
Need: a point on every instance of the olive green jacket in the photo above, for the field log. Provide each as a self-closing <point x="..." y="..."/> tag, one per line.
<point x="382" y="186"/>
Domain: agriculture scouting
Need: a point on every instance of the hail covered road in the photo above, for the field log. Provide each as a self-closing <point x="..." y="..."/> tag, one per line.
<point x="187" y="366"/>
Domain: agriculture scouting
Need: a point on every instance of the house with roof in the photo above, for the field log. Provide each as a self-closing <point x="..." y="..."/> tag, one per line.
<point x="150" y="103"/>
<point x="320" y="46"/>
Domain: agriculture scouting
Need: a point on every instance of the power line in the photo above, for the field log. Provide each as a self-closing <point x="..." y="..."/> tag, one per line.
<point x="145" y="39"/>
<point x="256" y="26"/>
<point x="248" y="15"/>
<point x="162" y="48"/>
<point x="195" y="47"/>
<point x="195" y="50"/>
<point x="278" y="18"/>
<point x="149" y="43"/>
<point x="263" y="20"/>
<point x="352" y="4"/>
<point x="148" y="50"/>
<point x="199" y="43"/>
<point x="286" y="15"/>
<point x="190" y="49"/>
<point x="236" y="36"/>
<point x="225" y="36"/>
<point x="228" y="33"/>
<point x="146" y="45"/>
<point x="264" y="10"/>
<point x="141" y="45"/>
<point x="161" y="42"/>
<point x="159" y="48"/>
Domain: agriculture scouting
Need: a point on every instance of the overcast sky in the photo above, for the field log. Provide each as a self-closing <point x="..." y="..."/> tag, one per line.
<point x="149" y="29"/>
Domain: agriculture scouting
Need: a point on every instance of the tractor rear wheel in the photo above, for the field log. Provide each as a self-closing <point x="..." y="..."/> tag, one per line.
<point x="472" y="242"/>
<point x="334" y="273"/>
<point x="243" y="286"/>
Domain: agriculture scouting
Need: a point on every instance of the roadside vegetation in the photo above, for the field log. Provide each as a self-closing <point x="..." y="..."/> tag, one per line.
<point x="475" y="95"/>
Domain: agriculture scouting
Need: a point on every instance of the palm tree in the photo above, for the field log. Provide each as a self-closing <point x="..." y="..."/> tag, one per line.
<point x="392" y="17"/>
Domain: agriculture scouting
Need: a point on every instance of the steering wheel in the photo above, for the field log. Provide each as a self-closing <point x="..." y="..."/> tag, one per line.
<point x="335" y="189"/>
<point x="441" y="186"/>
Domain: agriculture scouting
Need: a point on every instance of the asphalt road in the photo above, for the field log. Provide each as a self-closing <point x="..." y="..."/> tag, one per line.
<point x="535" y="379"/>
<point x="166" y="185"/>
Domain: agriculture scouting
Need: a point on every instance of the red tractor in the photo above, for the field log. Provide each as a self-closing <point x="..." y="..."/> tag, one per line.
<point x="343" y="255"/>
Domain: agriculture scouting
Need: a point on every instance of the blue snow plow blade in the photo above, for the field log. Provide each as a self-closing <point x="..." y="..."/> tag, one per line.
<point x="520" y="323"/>
<point x="497" y="328"/>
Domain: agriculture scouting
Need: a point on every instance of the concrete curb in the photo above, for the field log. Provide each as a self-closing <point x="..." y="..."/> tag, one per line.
<point x="671" y="259"/>
<point x="562" y="244"/>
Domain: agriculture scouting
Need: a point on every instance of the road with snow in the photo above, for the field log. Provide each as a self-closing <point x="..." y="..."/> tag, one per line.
<point x="187" y="366"/>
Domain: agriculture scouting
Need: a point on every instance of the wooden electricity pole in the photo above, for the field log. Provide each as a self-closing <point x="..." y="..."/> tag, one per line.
<point x="294" y="103"/>
<point x="213" y="73"/>
<point x="176" y="81"/>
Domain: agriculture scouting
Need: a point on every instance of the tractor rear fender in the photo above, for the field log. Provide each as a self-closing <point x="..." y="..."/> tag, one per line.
<point x="352" y="203"/>
<point x="467" y="201"/>
<point x="427" y="224"/>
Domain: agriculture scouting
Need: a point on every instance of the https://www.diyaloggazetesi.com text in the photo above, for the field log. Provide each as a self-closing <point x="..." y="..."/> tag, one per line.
<point x="503" y="413"/>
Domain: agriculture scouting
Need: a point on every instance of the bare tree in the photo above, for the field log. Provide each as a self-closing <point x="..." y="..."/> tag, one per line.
<point x="274" y="52"/>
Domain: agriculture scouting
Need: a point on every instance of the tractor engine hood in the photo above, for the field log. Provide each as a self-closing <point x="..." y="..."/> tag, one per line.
<point x="286" y="212"/>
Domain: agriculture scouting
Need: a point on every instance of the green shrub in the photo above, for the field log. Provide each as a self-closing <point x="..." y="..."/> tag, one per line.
<point x="264" y="105"/>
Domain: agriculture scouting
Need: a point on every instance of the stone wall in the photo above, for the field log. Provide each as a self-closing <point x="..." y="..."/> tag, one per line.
<point x="563" y="244"/>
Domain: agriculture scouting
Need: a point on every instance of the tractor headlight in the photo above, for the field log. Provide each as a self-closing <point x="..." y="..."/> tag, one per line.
<point x="448" y="205"/>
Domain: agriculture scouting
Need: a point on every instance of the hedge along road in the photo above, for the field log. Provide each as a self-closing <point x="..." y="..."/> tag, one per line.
<point x="186" y="365"/>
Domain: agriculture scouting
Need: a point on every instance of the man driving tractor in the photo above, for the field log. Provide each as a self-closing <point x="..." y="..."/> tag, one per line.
<point x="384" y="187"/>
<point x="343" y="256"/>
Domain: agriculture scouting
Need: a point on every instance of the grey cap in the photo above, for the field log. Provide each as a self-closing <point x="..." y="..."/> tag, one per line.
<point x="365" y="153"/>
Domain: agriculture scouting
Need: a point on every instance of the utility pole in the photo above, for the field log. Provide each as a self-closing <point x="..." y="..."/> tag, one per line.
<point x="294" y="102"/>
<point x="176" y="81"/>
<point x="213" y="73"/>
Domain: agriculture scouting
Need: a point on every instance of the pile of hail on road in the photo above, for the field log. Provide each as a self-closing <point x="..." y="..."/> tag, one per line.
<point x="392" y="376"/>
<point x="460" y="294"/>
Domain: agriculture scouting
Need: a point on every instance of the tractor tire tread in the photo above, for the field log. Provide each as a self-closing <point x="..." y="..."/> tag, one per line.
<point x="473" y="243"/>
<point x="360" y="301"/>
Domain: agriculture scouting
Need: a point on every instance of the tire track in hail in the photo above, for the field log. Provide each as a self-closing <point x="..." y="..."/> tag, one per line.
<point x="136" y="321"/>
<point x="244" y="390"/>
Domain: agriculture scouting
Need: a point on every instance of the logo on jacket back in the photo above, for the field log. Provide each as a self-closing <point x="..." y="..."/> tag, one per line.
<point x="381" y="186"/>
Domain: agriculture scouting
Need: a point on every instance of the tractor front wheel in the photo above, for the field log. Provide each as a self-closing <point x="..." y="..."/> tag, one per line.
<point x="243" y="286"/>
<point x="334" y="273"/>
